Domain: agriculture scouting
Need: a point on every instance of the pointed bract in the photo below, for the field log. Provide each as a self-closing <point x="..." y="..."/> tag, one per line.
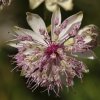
<point x="71" y="24"/>
<point x="36" y="23"/>
<point x="55" y="22"/>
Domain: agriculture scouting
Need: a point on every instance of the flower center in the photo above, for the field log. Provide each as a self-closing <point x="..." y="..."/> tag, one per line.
<point x="53" y="49"/>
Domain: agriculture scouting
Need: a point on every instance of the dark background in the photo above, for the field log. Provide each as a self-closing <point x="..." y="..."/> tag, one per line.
<point x="13" y="86"/>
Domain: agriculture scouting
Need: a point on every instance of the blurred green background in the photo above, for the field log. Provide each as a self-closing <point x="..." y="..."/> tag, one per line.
<point x="13" y="86"/>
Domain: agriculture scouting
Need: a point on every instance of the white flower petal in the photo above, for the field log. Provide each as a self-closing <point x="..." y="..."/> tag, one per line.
<point x="14" y="45"/>
<point x="36" y="23"/>
<point x="89" y="32"/>
<point x="66" y="4"/>
<point x="35" y="36"/>
<point x="88" y="54"/>
<point x="56" y="18"/>
<point x="55" y="21"/>
<point x="51" y="5"/>
<point x="35" y="3"/>
<point x="71" y="22"/>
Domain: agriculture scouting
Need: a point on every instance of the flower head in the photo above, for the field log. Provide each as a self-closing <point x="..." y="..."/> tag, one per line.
<point x="51" y="61"/>
<point x="4" y="3"/>
<point x="52" y="5"/>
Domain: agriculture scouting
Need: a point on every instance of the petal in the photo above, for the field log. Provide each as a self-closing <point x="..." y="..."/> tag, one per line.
<point x="36" y="23"/>
<point x="66" y="4"/>
<point x="88" y="54"/>
<point x="55" y="21"/>
<point x="89" y="32"/>
<point x="36" y="37"/>
<point x="69" y="24"/>
<point x="35" y="3"/>
<point x="51" y="5"/>
<point x="15" y="45"/>
<point x="56" y="18"/>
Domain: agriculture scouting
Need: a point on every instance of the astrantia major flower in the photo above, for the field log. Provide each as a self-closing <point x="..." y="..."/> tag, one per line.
<point x="51" y="61"/>
<point x="4" y="3"/>
<point x="52" y="5"/>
